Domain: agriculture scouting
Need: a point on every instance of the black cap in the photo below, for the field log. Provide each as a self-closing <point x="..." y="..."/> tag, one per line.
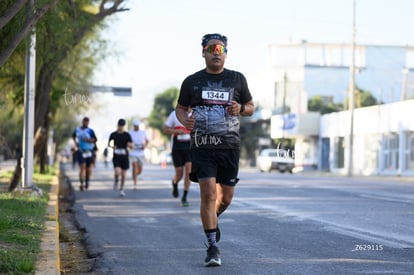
<point x="121" y="122"/>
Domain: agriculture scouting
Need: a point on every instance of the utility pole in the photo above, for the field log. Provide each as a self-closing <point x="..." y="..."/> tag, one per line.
<point x="352" y="94"/>
<point x="284" y="108"/>
<point x="403" y="95"/>
<point x="29" y="99"/>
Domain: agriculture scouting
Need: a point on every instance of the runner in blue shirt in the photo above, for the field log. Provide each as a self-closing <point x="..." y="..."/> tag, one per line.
<point x="85" y="142"/>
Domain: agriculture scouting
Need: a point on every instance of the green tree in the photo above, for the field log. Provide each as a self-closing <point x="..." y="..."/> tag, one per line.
<point x="366" y="99"/>
<point x="251" y="130"/>
<point x="16" y="23"/>
<point x="363" y="98"/>
<point x="62" y="33"/>
<point x="323" y="105"/>
<point x="11" y="127"/>
<point x="164" y="103"/>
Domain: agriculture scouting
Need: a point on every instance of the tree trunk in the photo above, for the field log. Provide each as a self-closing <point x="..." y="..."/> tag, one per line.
<point x="42" y="99"/>
<point x="14" y="181"/>
<point x="42" y="117"/>
<point x="43" y="163"/>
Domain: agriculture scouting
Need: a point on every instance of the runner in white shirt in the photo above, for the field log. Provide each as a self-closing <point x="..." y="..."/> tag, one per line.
<point x="180" y="155"/>
<point x="137" y="155"/>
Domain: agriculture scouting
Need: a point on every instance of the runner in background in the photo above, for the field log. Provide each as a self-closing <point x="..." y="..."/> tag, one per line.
<point x="85" y="142"/>
<point x="180" y="155"/>
<point x="120" y="141"/>
<point x="137" y="154"/>
<point x="105" y="155"/>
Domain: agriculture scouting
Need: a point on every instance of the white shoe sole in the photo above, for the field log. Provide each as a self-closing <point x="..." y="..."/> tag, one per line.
<point x="213" y="262"/>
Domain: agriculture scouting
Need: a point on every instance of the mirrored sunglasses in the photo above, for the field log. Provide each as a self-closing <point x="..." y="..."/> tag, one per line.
<point x="215" y="47"/>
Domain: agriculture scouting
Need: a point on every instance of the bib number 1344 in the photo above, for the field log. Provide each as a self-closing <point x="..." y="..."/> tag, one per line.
<point x="216" y="97"/>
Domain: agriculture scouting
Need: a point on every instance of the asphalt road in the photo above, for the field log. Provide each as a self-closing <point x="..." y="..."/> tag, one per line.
<point x="277" y="224"/>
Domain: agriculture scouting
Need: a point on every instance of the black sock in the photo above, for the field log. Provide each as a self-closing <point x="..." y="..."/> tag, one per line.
<point x="211" y="236"/>
<point x="185" y="194"/>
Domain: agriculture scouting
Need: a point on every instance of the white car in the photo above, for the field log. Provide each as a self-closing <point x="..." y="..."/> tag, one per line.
<point x="275" y="159"/>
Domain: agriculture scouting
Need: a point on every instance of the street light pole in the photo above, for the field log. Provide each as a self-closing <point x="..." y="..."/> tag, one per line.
<point x="29" y="98"/>
<point x="403" y="95"/>
<point x="352" y="94"/>
<point x="284" y="109"/>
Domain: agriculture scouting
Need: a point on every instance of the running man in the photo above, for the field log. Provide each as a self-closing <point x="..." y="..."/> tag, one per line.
<point x="137" y="155"/>
<point x="85" y="142"/>
<point x="180" y="155"/>
<point x="210" y="103"/>
<point x="120" y="141"/>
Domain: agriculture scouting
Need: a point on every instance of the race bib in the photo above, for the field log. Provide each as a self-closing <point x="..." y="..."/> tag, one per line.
<point x="138" y="146"/>
<point x="120" y="151"/>
<point x="217" y="96"/>
<point x="87" y="155"/>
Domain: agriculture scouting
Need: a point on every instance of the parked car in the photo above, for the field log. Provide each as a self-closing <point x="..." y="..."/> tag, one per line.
<point x="275" y="159"/>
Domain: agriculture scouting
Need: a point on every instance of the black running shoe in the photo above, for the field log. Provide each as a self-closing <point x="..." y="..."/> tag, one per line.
<point x="184" y="202"/>
<point x="175" y="190"/>
<point x="81" y="187"/>
<point x="218" y="234"/>
<point x="213" y="256"/>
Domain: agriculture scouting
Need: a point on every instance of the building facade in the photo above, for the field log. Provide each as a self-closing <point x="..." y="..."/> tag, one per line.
<point x="303" y="70"/>
<point x="383" y="140"/>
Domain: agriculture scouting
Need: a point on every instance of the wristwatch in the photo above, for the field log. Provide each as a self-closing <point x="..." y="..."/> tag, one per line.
<point x="242" y="107"/>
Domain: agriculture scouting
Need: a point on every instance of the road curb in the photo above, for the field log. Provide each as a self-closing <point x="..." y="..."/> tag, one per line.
<point x="48" y="260"/>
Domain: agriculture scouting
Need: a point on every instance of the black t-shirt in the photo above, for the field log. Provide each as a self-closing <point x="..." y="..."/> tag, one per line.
<point x="120" y="140"/>
<point x="209" y="95"/>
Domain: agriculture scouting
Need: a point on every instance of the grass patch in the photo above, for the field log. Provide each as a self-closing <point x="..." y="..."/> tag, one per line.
<point x="22" y="219"/>
<point x="5" y="175"/>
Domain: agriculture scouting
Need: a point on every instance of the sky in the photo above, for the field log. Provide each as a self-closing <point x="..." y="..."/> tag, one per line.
<point x="158" y="41"/>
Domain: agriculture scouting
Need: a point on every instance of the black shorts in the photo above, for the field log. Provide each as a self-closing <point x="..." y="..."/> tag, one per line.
<point x="121" y="161"/>
<point x="222" y="164"/>
<point x="84" y="157"/>
<point x="180" y="157"/>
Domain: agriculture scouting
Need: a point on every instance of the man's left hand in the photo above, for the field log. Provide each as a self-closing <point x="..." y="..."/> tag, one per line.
<point x="234" y="108"/>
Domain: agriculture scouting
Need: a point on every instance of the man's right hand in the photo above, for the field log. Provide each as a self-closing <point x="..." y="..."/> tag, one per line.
<point x="186" y="118"/>
<point x="189" y="122"/>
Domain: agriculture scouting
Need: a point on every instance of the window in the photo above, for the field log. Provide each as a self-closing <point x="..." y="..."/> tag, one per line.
<point x="391" y="152"/>
<point x="339" y="152"/>
<point x="409" y="151"/>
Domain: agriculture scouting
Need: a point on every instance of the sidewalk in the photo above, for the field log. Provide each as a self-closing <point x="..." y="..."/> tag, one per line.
<point x="48" y="260"/>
